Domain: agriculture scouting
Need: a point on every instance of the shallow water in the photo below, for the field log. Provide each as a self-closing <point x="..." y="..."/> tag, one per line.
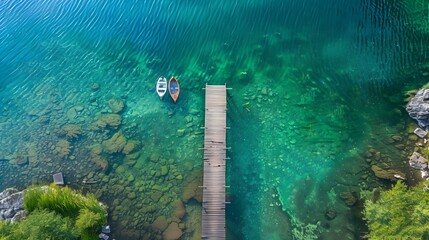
<point x="315" y="84"/>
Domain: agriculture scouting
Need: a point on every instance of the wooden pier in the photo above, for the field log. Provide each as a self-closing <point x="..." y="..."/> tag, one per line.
<point x="213" y="219"/>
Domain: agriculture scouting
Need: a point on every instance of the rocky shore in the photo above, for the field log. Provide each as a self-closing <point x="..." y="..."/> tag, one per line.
<point x="11" y="205"/>
<point x="418" y="109"/>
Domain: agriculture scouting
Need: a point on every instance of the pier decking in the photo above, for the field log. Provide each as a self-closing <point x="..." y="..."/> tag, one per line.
<point x="213" y="219"/>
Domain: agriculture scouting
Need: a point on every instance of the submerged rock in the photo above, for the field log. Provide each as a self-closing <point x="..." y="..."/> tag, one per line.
<point x="350" y="198"/>
<point x="95" y="86"/>
<point x="132" y="195"/>
<point x="116" y="105"/>
<point x="154" y="157"/>
<point x="21" y="160"/>
<point x="330" y="214"/>
<point x="388" y="174"/>
<point x="70" y="131"/>
<point x="160" y="224"/>
<point x="96" y="149"/>
<point x="115" y="144"/>
<point x="130" y="147"/>
<point x="194" y="111"/>
<point x="108" y="120"/>
<point x="173" y="232"/>
<point x="62" y="148"/>
<point x="102" y="164"/>
<point x="181" y="132"/>
<point x="71" y="113"/>
<point x="164" y="170"/>
<point x="179" y="209"/>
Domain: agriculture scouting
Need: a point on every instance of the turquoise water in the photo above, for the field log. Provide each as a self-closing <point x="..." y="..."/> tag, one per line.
<point x="315" y="84"/>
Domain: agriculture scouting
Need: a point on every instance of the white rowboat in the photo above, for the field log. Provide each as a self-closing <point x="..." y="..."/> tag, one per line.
<point x="161" y="87"/>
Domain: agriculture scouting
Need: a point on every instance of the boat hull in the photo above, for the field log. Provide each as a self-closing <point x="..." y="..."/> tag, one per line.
<point x="174" y="89"/>
<point x="161" y="87"/>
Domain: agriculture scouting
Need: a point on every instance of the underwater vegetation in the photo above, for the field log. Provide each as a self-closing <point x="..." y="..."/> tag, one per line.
<point x="398" y="213"/>
<point x="57" y="213"/>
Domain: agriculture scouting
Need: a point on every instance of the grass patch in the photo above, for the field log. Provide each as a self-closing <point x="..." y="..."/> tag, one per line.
<point x="85" y="212"/>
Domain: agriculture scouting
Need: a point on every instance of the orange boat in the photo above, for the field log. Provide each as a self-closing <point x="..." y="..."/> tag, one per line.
<point x="174" y="88"/>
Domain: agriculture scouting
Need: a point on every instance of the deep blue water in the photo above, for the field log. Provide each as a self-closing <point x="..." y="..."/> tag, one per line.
<point x="315" y="84"/>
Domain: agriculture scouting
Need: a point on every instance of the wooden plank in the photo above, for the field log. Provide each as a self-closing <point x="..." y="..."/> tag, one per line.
<point x="213" y="215"/>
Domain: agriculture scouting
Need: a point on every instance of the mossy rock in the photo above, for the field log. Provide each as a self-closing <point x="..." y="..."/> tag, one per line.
<point x="154" y="157"/>
<point x="62" y="148"/>
<point x="179" y="209"/>
<point x="172" y="232"/>
<point x="181" y="132"/>
<point x="194" y="111"/>
<point x="349" y="198"/>
<point x="130" y="178"/>
<point x="151" y="183"/>
<point x="96" y="149"/>
<point x="105" y="179"/>
<point x="115" y="144"/>
<point x="411" y="127"/>
<point x="132" y="195"/>
<point x="95" y="86"/>
<point x="133" y="156"/>
<point x="413" y="137"/>
<point x="130" y="162"/>
<point x="164" y="170"/>
<point x="155" y="195"/>
<point x="113" y="179"/>
<point x="70" y="131"/>
<point x="397" y="138"/>
<point x="385" y="174"/>
<point x="21" y="160"/>
<point x="189" y="118"/>
<point x="130" y="147"/>
<point x="160" y="224"/>
<point x="377" y="156"/>
<point x="108" y="120"/>
<point x="116" y="105"/>
<point x="117" y="188"/>
<point x="121" y="169"/>
<point x="166" y="188"/>
<point x="139" y="183"/>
